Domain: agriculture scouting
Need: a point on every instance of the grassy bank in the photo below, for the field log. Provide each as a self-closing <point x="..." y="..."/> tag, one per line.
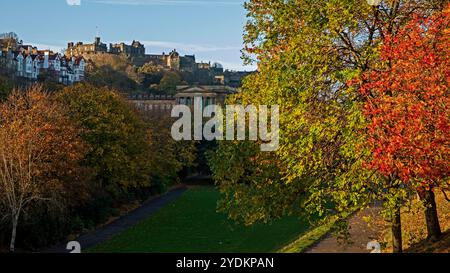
<point x="191" y="224"/>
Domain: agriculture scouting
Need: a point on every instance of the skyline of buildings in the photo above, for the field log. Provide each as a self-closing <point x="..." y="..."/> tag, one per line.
<point x="212" y="30"/>
<point x="68" y="67"/>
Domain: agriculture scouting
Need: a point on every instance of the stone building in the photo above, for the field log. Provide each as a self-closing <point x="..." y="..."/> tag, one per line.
<point x="80" y="49"/>
<point x="201" y="73"/>
<point x="136" y="49"/>
<point x="136" y="53"/>
<point x="188" y="63"/>
<point x="210" y="94"/>
<point x="162" y="105"/>
<point x="153" y="105"/>
<point x="173" y="61"/>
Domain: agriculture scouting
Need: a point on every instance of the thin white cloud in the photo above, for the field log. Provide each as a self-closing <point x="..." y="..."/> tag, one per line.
<point x="237" y="66"/>
<point x="187" y="48"/>
<point x="54" y="48"/>
<point x="168" y="2"/>
<point x="153" y="47"/>
<point x="73" y="2"/>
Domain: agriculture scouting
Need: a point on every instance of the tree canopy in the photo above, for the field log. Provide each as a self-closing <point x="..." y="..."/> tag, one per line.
<point x="308" y="53"/>
<point x="117" y="136"/>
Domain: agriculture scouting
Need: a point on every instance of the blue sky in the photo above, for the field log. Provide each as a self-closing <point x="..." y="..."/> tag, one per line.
<point x="210" y="29"/>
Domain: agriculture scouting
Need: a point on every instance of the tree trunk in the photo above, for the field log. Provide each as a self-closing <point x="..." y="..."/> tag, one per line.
<point x="431" y="216"/>
<point x="397" y="232"/>
<point x="15" y="220"/>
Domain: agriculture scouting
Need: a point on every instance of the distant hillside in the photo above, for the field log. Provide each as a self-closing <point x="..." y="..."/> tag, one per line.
<point x="119" y="72"/>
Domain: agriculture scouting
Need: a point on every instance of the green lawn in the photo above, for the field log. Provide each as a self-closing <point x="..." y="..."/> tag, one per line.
<point x="191" y="224"/>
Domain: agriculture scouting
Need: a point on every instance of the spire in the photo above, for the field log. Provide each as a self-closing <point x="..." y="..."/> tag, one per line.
<point x="97" y="37"/>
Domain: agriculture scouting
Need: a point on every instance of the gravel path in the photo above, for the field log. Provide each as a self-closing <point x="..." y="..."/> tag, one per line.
<point x="121" y="224"/>
<point x="361" y="234"/>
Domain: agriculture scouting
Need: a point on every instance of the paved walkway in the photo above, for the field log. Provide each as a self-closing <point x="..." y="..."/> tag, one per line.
<point x="121" y="224"/>
<point x="361" y="234"/>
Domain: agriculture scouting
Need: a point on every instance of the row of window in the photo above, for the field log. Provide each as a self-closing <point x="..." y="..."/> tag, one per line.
<point x="156" y="107"/>
<point x="189" y="101"/>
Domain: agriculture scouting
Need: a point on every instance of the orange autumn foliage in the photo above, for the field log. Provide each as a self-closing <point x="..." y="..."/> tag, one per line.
<point x="408" y="103"/>
<point x="39" y="154"/>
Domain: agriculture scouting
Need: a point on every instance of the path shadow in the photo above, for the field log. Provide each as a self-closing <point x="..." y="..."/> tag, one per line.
<point x="108" y="231"/>
<point x="428" y="246"/>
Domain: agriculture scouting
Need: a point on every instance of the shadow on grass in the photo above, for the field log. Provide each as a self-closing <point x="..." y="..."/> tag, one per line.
<point x="427" y="246"/>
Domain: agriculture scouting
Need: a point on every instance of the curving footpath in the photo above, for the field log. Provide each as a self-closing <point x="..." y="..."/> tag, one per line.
<point x="360" y="235"/>
<point x="105" y="233"/>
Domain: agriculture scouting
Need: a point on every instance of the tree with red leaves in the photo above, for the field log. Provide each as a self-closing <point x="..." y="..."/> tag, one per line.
<point x="408" y="109"/>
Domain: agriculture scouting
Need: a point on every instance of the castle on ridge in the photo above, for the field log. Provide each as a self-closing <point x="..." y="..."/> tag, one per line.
<point x="136" y="53"/>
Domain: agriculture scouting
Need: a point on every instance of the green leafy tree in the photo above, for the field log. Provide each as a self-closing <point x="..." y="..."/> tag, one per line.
<point x="307" y="51"/>
<point x="169" y="83"/>
<point x="118" y="138"/>
<point x="167" y="156"/>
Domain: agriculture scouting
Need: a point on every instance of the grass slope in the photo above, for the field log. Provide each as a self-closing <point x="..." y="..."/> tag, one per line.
<point x="191" y="224"/>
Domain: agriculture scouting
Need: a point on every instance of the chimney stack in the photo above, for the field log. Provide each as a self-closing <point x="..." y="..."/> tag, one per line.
<point x="46" y="54"/>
